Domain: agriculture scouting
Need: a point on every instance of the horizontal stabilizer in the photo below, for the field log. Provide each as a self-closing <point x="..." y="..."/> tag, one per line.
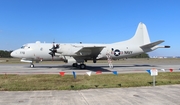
<point x="150" y="45"/>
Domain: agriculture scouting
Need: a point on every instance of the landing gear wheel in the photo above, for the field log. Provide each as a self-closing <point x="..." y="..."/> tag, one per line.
<point x="82" y="66"/>
<point x="32" y="65"/>
<point x="74" y="64"/>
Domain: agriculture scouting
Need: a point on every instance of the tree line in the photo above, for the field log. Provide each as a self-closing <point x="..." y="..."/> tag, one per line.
<point x="144" y="55"/>
<point x="5" y="54"/>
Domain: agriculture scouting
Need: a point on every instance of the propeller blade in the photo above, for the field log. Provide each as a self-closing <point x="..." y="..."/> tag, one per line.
<point x="53" y="50"/>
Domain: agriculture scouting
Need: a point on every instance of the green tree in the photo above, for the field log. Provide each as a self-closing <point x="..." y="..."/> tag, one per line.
<point x="5" y="54"/>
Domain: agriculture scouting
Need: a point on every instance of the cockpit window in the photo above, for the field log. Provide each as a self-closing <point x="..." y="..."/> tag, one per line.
<point x="25" y="47"/>
<point x="22" y="47"/>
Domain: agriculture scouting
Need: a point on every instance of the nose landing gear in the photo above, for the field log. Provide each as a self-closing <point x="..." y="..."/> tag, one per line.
<point x="32" y="65"/>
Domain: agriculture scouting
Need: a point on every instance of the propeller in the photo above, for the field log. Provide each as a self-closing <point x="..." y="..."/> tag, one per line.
<point x="53" y="50"/>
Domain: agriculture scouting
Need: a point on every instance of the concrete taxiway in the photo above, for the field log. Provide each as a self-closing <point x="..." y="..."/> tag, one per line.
<point x="159" y="95"/>
<point x="68" y="69"/>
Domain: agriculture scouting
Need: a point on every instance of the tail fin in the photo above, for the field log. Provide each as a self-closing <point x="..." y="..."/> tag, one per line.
<point x="141" y="36"/>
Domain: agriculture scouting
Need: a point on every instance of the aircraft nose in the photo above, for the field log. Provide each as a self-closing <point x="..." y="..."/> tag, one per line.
<point x="14" y="54"/>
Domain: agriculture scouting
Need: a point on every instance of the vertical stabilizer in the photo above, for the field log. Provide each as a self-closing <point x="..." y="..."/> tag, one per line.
<point x="141" y="36"/>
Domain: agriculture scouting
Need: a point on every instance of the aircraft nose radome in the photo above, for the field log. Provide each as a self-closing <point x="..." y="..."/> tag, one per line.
<point x="13" y="54"/>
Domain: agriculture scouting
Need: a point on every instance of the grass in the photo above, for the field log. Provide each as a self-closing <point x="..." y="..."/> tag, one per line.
<point x="56" y="82"/>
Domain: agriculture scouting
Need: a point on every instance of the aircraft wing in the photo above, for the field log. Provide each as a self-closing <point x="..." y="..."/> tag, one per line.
<point x="92" y="51"/>
<point x="151" y="45"/>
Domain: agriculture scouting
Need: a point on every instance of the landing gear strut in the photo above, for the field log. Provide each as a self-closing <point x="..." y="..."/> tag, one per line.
<point x="94" y="60"/>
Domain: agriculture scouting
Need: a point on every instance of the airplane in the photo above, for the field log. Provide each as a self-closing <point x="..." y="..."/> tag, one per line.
<point x="79" y="53"/>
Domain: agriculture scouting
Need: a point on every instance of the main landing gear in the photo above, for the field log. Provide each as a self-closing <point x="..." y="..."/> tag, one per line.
<point x="81" y="66"/>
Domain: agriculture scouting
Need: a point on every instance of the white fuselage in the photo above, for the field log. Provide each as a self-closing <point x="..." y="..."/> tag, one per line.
<point x="40" y="51"/>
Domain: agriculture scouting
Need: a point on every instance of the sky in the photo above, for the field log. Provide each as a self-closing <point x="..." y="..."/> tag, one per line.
<point x="88" y="21"/>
